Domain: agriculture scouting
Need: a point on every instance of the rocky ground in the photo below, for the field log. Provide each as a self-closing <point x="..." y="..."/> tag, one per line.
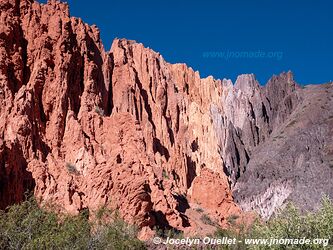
<point x="86" y="128"/>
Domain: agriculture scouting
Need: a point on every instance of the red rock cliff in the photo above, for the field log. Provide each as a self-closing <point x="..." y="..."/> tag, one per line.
<point x="84" y="127"/>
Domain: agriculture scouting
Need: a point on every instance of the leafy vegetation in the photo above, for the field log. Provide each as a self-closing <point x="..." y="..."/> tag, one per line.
<point x="165" y="174"/>
<point x="289" y="223"/>
<point x="232" y="219"/>
<point x="165" y="233"/>
<point x="71" y="168"/>
<point x="99" y="111"/>
<point x="292" y="224"/>
<point x="27" y="226"/>
<point x="207" y="220"/>
<point x="199" y="210"/>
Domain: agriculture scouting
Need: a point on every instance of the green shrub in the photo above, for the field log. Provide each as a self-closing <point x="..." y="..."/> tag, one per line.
<point x="164" y="174"/>
<point x="290" y="223"/>
<point x="207" y="220"/>
<point x="199" y="210"/>
<point x="99" y="111"/>
<point x="164" y="233"/>
<point x="115" y="234"/>
<point x="27" y="226"/>
<point x="232" y="219"/>
<point x="71" y="168"/>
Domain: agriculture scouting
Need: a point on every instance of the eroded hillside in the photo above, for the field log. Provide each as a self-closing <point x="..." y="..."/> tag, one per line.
<point x="84" y="127"/>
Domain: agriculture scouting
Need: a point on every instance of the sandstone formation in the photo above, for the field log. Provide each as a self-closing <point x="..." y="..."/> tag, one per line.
<point x="84" y="127"/>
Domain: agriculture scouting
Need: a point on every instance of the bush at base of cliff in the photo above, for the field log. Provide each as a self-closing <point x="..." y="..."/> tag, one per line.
<point x="290" y="223"/>
<point x="26" y="226"/>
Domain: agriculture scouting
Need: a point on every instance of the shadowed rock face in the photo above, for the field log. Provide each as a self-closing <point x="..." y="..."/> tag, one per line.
<point x="84" y="128"/>
<point x="295" y="163"/>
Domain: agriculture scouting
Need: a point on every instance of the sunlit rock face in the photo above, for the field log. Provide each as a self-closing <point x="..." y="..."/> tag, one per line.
<point x="85" y="128"/>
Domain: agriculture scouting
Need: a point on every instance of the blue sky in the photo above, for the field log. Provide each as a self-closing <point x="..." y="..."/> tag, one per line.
<point x="224" y="38"/>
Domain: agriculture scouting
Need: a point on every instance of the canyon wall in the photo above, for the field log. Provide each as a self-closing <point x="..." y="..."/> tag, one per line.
<point x="85" y="128"/>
